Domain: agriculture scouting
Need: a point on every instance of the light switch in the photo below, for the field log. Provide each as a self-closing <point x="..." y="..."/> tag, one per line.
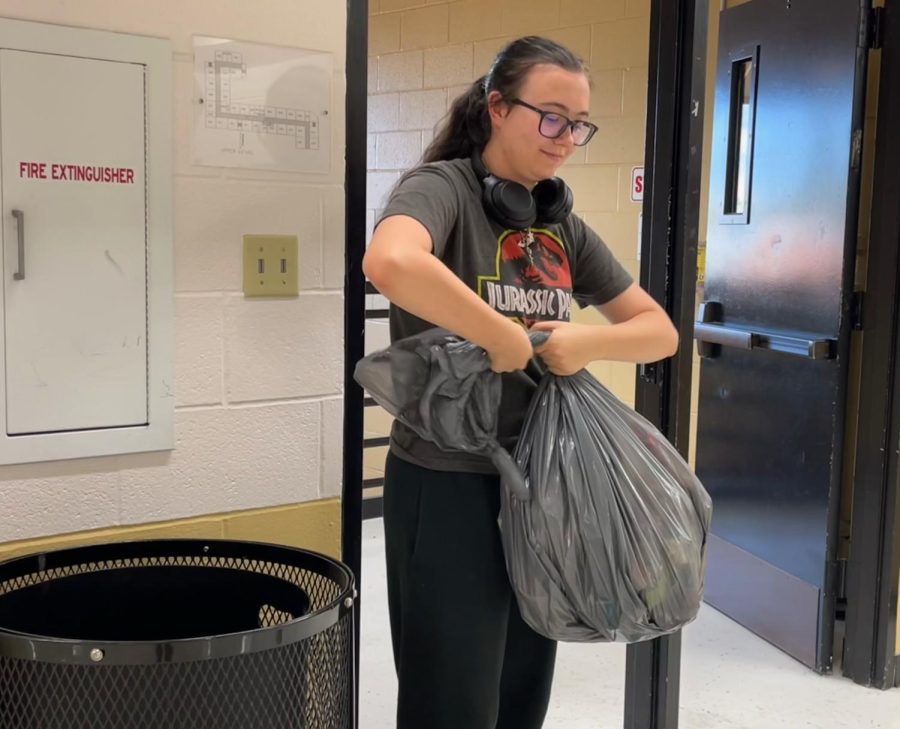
<point x="270" y="265"/>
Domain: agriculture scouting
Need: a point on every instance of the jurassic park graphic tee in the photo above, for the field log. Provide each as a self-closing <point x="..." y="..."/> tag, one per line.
<point x="529" y="276"/>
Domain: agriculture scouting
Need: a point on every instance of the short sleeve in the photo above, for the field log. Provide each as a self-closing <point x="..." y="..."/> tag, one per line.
<point x="428" y="195"/>
<point x="598" y="276"/>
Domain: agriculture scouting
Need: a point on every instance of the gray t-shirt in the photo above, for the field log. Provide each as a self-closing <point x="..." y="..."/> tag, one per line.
<point x="528" y="278"/>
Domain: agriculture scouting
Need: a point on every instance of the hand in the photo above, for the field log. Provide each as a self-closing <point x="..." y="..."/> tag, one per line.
<point x="512" y="350"/>
<point x="567" y="351"/>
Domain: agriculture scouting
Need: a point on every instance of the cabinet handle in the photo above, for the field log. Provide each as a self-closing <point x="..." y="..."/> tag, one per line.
<point x="19" y="275"/>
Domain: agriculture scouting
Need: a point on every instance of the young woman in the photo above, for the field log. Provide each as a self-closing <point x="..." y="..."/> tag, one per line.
<point x="480" y="240"/>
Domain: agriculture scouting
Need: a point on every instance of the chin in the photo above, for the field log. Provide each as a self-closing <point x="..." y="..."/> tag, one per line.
<point x="550" y="170"/>
<point x="548" y="163"/>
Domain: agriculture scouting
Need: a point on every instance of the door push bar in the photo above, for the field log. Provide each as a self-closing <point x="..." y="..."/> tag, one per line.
<point x="712" y="335"/>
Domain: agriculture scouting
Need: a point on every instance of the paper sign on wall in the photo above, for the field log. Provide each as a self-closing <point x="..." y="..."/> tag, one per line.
<point x="261" y="106"/>
<point x="637" y="184"/>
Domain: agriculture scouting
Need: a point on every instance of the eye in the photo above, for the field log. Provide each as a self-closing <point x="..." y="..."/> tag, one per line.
<point x="553" y="118"/>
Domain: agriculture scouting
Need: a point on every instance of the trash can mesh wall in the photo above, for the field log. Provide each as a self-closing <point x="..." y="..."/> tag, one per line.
<point x="285" y="671"/>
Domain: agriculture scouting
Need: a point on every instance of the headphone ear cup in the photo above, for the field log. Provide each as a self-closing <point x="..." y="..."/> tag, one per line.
<point x="509" y="203"/>
<point x="553" y="200"/>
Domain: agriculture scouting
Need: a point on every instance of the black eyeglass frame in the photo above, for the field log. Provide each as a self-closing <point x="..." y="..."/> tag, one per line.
<point x="570" y="125"/>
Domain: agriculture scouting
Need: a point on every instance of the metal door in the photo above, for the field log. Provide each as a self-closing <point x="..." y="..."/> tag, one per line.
<point x="774" y="328"/>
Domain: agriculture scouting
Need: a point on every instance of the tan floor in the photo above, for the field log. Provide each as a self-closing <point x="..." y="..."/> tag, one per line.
<point x="730" y="679"/>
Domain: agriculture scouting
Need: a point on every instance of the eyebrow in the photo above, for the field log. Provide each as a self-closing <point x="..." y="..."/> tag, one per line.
<point x="565" y="109"/>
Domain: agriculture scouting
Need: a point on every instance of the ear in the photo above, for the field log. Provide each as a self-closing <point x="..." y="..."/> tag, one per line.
<point x="497" y="107"/>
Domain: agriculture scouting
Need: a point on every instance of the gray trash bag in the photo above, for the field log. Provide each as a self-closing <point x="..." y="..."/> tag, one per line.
<point x="443" y="388"/>
<point x="611" y="544"/>
<point x="603" y="524"/>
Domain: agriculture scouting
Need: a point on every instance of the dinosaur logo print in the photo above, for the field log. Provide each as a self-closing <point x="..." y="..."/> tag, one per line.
<point x="533" y="279"/>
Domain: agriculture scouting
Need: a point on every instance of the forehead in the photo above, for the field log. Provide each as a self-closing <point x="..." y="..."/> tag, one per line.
<point x="547" y="83"/>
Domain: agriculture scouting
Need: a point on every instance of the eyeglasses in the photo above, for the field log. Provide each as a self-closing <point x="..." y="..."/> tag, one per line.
<point x="554" y="125"/>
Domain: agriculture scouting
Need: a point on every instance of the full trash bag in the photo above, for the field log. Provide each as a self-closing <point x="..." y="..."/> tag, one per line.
<point x="611" y="544"/>
<point x="603" y="523"/>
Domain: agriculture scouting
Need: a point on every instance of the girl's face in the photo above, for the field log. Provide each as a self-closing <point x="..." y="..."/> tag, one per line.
<point x="516" y="128"/>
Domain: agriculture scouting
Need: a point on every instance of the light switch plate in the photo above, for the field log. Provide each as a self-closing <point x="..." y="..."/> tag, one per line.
<point x="270" y="265"/>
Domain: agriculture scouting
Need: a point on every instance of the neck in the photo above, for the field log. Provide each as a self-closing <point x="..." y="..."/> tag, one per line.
<point x="498" y="165"/>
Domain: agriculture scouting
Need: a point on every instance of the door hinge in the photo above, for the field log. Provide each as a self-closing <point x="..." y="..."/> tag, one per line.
<point x="651" y="373"/>
<point x="856" y="310"/>
<point x="875" y="27"/>
<point x="841" y="591"/>
<point x="856" y="149"/>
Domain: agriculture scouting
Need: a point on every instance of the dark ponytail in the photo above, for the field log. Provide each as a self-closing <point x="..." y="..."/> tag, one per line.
<point x="467" y="127"/>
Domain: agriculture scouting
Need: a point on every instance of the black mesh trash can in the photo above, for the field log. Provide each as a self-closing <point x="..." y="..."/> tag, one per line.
<point x="176" y="634"/>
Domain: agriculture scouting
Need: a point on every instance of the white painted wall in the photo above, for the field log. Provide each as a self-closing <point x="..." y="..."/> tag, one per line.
<point x="258" y="383"/>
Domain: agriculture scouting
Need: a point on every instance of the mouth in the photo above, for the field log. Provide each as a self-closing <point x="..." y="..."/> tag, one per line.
<point x="555" y="157"/>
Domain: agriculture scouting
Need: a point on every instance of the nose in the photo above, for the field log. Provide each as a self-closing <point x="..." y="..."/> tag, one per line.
<point x="567" y="138"/>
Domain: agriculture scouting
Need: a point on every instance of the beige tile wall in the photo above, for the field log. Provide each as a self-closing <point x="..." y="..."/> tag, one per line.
<point x="424" y="53"/>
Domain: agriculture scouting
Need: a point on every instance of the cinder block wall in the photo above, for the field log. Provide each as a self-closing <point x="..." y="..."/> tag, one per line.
<point x="423" y="54"/>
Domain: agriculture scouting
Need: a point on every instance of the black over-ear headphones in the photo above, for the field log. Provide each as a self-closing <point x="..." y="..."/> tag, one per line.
<point x="513" y="206"/>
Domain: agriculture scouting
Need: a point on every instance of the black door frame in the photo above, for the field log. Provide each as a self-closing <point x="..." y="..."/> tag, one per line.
<point x="670" y="232"/>
<point x="874" y="564"/>
<point x="669" y="256"/>
<point x="355" y="168"/>
<point x="673" y="167"/>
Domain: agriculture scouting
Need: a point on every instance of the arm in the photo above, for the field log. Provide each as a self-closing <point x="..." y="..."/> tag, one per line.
<point x="640" y="331"/>
<point x="400" y="264"/>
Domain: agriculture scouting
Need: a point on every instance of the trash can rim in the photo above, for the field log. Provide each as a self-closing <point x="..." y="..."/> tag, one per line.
<point x="15" y="644"/>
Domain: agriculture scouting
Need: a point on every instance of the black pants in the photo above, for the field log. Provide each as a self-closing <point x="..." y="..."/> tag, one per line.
<point x="465" y="658"/>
